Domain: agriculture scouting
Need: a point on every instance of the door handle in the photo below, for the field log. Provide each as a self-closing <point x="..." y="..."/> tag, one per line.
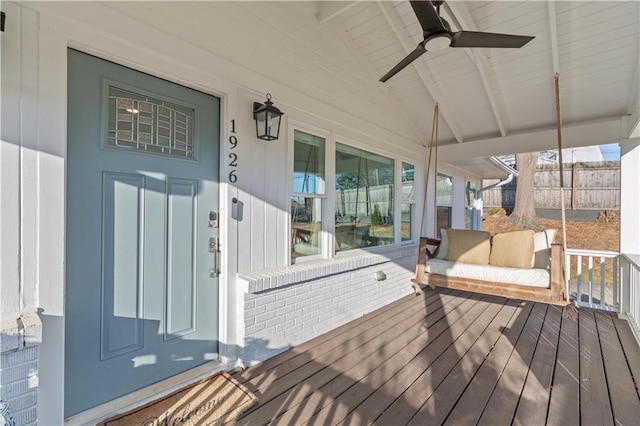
<point x="214" y="247"/>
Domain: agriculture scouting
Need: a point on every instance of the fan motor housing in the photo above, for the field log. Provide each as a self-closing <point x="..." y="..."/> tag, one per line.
<point x="437" y="41"/>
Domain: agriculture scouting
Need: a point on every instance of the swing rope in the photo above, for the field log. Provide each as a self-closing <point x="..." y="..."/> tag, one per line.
<point x="569" y="311"/>
<point x="420" y="263"/>
<point x="556" y="79"/>
<point x="432" y="142"/>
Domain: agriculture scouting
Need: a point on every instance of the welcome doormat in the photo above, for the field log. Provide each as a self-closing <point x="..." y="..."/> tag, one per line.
<point x="212" y="401"/>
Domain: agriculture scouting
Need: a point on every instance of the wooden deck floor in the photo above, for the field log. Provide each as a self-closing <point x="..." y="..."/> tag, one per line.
<point x="455" y="358"/>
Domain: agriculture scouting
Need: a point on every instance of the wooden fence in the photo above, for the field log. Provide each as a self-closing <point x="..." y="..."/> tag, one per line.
<point x="587" y="186"/>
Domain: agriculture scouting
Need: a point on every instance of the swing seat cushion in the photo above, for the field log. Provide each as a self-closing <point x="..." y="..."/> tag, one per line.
<point x="498" y="274"/>
<point x="517" y="257"/>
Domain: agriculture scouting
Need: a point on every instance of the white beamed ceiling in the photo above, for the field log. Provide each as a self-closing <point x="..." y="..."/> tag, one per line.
<point x="325" y="58"/>
<point x="597" y="45"/>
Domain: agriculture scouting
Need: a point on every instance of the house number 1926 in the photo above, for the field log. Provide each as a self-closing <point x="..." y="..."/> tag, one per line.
<point x="233" y="157"/>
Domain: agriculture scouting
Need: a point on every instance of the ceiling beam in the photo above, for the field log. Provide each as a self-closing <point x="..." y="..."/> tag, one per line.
<point x="396" y="23"/>
<point x="553" y="33"/>
<point x="330" y="9"/>
<point x="463" y="19"/>
<point x="634" y="98"/>
<point x="573" y="135"/>
<point x="633" y="109"/>
<point x="631" y="123"/>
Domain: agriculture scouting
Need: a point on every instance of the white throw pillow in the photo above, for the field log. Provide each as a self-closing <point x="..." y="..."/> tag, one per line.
<point x="444" y="245"/>
<point x="542" y="249"/>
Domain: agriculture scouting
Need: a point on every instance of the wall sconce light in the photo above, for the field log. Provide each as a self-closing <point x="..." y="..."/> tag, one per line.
<point x="267" y="120"/>
<point x="3" y="17"/>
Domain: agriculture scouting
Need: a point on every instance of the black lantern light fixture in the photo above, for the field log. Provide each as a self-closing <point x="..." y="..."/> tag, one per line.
<point x="267" y="120"/>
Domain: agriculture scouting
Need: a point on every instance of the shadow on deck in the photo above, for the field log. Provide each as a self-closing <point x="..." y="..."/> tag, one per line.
<point x="456" y="358"/>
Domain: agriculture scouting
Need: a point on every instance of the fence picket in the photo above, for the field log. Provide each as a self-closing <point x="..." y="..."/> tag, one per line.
<point x="594" y="186"/>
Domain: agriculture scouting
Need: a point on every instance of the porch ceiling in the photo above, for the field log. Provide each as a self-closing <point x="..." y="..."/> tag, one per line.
<point x="493" y="93"/>
<point x="492" y="101"/>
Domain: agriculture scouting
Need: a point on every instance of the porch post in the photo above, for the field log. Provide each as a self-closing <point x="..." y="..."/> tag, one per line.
<point x="629" y="196"/>
<point x="629" y="210"/>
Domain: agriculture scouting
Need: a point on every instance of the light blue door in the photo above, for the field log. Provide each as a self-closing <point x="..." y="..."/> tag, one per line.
<point x="142" y="178"/>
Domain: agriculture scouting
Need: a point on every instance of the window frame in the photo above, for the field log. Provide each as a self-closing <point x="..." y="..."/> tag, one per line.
<point x="327" y="237"/>
<point x="449" y="206"/>
<point x="324" y="231"/>
<point x="414" y="223"/>
<point x="394" y="158"/>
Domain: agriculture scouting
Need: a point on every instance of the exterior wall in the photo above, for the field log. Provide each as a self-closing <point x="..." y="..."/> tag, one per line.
<point x="230" y="54"/>
<point x="20" y="192"/>
<point x="630" y="196"/>
<point x="459" y="178"/>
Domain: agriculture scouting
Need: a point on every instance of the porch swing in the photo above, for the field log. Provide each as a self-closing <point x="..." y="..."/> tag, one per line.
<point x="428" y="249"/>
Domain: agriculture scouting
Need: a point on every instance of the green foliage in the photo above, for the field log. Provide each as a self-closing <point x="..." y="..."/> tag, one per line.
<point x="376" y="216"/>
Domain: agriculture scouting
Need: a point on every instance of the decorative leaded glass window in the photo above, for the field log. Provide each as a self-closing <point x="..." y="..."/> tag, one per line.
<point x="146" y="124"/>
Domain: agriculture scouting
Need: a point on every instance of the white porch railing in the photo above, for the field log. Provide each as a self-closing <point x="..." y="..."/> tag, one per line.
<point x="630" y="291"/>
<point x="592" y="278"/>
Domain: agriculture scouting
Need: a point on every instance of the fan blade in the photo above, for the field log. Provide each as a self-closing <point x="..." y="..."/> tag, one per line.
<point x="478" y="39"/>
<point x="428" y="16"/>
<point x="417" y="52"/>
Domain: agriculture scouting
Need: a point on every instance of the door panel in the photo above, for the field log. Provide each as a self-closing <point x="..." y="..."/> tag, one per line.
<point x="122" y="225"/>
<point x="181" y="292"/>
<point x="142" y="176"/>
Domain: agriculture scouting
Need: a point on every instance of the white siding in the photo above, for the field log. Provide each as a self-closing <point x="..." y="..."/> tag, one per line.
<point x="20" y="197"/>
<point x="237" y="51"/>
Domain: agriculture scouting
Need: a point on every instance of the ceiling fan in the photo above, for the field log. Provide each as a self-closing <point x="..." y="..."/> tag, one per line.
<point x="437" y="36"/>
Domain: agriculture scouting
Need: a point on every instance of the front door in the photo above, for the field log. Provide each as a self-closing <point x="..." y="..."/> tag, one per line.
<point x="142" y="178"/>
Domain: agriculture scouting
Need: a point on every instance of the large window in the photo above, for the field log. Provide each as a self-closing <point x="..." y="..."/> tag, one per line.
<point x="309" y="192"/>
<point x="444" y="201"/>
<point x="408" y="201"/>
<point x="358" y="210"/>
<point x="364" y="199"/>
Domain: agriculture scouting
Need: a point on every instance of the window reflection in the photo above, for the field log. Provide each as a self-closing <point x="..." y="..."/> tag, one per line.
<point x="444" y="201"/>
<point x="306" y="220"/>
<point x="406" y="208"/>
<point x="364" y="199"/>
<point x="308" y="191"/>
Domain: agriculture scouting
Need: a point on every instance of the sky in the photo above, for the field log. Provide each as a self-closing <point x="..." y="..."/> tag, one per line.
<point x="610" y="152"/>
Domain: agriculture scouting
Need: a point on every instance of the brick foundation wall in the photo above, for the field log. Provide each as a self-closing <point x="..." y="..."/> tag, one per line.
<point x="275" y="319"/>
<point x="20" y="337"/>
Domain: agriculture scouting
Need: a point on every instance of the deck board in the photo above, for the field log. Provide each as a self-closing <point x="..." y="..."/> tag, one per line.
<point x="622" y="389"/>
<point x="630" y="347"/>
<point x="299" y="368"/>
<point x="398" y="376"/>
<point x="441" y="402"/>
<point x="479" y="390"/>
<point x="594" y="393"/>
<point x="364" y="359"/>
<point x="336" y="389"/>
<point x="463" y="334"/>
<point x="454" y="357"/>
<point x="564" y="403"/>
<point x="350" y="400"/>
<point x="534" y="400"/>
<point x="503" y="402"/>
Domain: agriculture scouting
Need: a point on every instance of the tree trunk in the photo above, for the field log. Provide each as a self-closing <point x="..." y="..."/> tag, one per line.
<point x="524" y="211"/>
